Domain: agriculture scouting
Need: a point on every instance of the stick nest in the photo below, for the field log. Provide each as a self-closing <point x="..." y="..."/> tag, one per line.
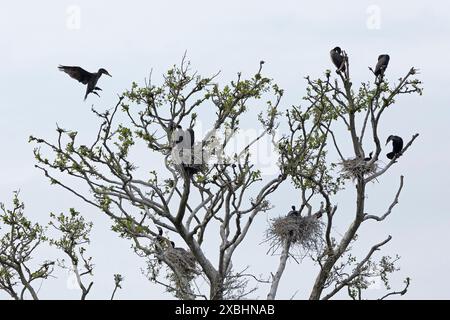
<point x="357" y="167"/>
<point x="193" y="165"/>
<point x="183" y="261"/>
<point x="303" y="232"/>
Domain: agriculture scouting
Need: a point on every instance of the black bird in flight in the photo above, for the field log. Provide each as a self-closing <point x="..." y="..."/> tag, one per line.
<point x="338" y="59"/>
<point x="85" y="77"/>
<point x="383" y="61"/>
<point x="397" y="146"/>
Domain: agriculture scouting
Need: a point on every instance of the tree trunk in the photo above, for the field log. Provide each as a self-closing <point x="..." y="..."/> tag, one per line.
<point x="216" y="289"/>
<point x="277" y="277"/>
<point x="343" y="245"/>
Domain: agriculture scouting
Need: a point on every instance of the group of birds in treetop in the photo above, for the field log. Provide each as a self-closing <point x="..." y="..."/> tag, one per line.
<point x="338" y="58"/>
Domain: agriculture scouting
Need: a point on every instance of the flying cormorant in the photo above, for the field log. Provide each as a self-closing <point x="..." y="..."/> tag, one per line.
<point x="85" y="77"/>
<point x="383" y="61"/>
<point x="338" y="59"/>
<point x="397" y="146"/>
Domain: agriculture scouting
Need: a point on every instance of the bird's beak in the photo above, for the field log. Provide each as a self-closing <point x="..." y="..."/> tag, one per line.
<point x="107" y="73"/>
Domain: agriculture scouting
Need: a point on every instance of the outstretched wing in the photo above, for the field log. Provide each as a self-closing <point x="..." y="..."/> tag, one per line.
<point x="77" y="73"/>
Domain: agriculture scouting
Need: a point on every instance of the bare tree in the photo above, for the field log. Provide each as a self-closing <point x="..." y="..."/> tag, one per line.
<point x="310" y="152"/>
<point x="75" y="234"/>
<point x="227" y="192"/>
<point x="21" y="239"/>
<point x="200" y="189"/>
<point x="18" y="242"/>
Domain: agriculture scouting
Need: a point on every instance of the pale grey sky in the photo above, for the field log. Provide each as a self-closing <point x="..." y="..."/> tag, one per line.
<point x="129" y="38"/>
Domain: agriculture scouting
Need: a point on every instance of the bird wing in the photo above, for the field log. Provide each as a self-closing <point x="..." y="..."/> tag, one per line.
<point x="336" y="58"/>
<point x="378" y="67"/>
<point x="77" y="73"/>
<point x="381" y="64"/>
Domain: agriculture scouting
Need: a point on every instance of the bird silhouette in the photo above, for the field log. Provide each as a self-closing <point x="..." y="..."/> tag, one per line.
<point x="85" y="77"/>
<point x="186" y="255"/>
<point x="369" y="157"/>
<point x="380" y="68"/>
<point x="397" y="146"/>
<point x="293" y="212"/>
<point x="191" y="135"/>
<point x="338" y="59"/>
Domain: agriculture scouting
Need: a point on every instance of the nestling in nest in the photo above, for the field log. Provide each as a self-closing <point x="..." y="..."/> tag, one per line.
<point x="357" y="167"/>
<point x="304" y="232"/>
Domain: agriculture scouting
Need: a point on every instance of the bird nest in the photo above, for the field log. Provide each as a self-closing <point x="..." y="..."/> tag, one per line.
<point x="357" y="167"/>
<point x="191" y="165"/>
<point x="303" y="232"/>
<point x="191" y="169"/>
<point x="181" y="260"/>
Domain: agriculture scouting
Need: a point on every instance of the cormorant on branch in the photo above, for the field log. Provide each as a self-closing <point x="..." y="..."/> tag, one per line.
<point x="85" y="77"/>
<point x="181" y="250"/>
<point x="338" y="59"/>
<point x="383" y="61"/>
<point x="369" y="157"/>
<point x="178" y="134"/>
<point x="190" y="132"/>
<point x="293" y="212"/>
<point x="397" y="146"/>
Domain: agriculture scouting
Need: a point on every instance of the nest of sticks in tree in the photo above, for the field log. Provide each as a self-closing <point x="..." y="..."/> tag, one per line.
<point x="302" y="232"/>
<point x="192" y="166"/>
<point x="358" y="167"/>
<point x="182" y="260"/>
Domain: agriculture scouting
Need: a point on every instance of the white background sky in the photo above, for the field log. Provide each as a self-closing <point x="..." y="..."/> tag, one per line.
<point x="129" y="38"/>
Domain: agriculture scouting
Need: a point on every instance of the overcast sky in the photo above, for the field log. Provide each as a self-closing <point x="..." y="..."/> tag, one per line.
<point x="131" y="38"/>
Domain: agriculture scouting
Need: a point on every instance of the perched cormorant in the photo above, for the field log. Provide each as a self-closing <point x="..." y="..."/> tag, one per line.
<point x="159" y="237"/>
<point x="187" y="256"/>
<point x="369" y="157"/>
<point x="190" y="132"/>
<point x="338" y="59"/>
<point x="85" y="77"/>
<point x="397" y="146"/>
<point x="160" y="240"/>
<point x="293" y="212"/>
<point x="178" y="135"/>
<point x="383" y="61"/>
<point x="171" y="126"/>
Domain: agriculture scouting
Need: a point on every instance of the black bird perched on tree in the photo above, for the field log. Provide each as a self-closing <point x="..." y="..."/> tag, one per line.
<point x="369" y="157"/>
<point x="186" y="256"/>
<point x="293" y="212"/>
<point x="383" y="61"/>
<point x="178" y="135"/>
<point x="397" y="146"/>
<point x="85" y="77"/>
<point x="190" y="132"/>
<point x="338" y="59"/>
